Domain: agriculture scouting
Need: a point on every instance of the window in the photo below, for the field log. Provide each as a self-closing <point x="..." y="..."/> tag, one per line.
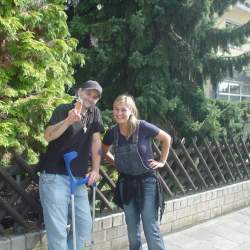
<point x="223" y="97"/>
<point x="224" y="87"/>
<point x="234" y="88"/>
<point x="234" y="98"/>
<point x="245" y="98"/>
<point x="231" y="90"/>
<point x="246" y="89"/>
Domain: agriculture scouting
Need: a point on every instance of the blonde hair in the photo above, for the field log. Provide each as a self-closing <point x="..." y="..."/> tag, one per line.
<point x="133" y="119"/>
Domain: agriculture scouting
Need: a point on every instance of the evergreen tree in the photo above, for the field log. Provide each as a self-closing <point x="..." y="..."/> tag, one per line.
<point x="37" y="56"/>
<point x="162" y="52"/>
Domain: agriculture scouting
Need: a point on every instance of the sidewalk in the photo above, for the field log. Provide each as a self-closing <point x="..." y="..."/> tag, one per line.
<point x="228" y="232"/>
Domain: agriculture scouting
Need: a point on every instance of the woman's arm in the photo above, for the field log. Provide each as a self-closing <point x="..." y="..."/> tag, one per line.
<point x="107" y="154"/>
<point x="165" y="141"/>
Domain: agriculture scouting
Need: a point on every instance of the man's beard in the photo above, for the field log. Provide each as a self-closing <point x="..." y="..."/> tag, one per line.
<point x="87" y="104"/>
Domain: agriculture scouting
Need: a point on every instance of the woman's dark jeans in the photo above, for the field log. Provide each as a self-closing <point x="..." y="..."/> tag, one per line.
<point x="146" y="210"/>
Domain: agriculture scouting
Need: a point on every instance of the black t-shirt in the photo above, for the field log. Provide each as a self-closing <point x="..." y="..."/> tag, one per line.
<point x="73" y="139"/>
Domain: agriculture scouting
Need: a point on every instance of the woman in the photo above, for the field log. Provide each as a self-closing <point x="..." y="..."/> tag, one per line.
<point x="138" y="190"/>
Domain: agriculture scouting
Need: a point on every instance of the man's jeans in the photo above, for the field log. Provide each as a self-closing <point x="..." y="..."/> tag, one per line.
<point x="55" y="198"/>
<point x="147" y="211"/>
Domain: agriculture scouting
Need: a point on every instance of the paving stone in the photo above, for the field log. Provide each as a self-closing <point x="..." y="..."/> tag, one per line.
<point x="5" y="243"/>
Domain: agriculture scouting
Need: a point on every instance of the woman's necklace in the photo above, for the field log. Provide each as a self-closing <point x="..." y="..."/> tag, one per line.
<point x="84" y="119"/>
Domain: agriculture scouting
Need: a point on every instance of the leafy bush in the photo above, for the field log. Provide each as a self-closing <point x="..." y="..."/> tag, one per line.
<point x="37" y="56"/>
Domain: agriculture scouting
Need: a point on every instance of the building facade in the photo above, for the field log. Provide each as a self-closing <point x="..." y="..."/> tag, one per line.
<point x="236" y="88"/>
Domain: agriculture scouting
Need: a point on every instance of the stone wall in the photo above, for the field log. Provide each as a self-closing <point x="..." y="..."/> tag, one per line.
<point x="110" y="231"/>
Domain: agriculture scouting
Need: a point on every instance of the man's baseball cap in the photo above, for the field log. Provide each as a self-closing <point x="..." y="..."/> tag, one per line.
<point x="90" y="84"/>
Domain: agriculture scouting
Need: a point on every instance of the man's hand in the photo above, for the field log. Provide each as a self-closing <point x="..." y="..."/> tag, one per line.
<point x="78" y="106"/>
<point x="73" y="116"/>
<point x="54" y="131"/>
<point x="94" y="176"/>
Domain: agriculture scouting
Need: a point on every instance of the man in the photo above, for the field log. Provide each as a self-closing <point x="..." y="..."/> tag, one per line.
<point x="72" y="127"/>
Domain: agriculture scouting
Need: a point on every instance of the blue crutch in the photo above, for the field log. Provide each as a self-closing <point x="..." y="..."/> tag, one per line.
<point x="68" y="157"/>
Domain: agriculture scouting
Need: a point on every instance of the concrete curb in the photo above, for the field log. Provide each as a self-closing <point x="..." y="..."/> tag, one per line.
<point x="29" y="241"/>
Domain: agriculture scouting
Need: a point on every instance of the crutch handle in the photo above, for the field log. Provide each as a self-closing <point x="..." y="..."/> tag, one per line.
<point x="68" y="157"/>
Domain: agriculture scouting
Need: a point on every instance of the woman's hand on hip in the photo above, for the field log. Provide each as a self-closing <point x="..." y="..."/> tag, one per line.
<point x="156" y="164"/>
